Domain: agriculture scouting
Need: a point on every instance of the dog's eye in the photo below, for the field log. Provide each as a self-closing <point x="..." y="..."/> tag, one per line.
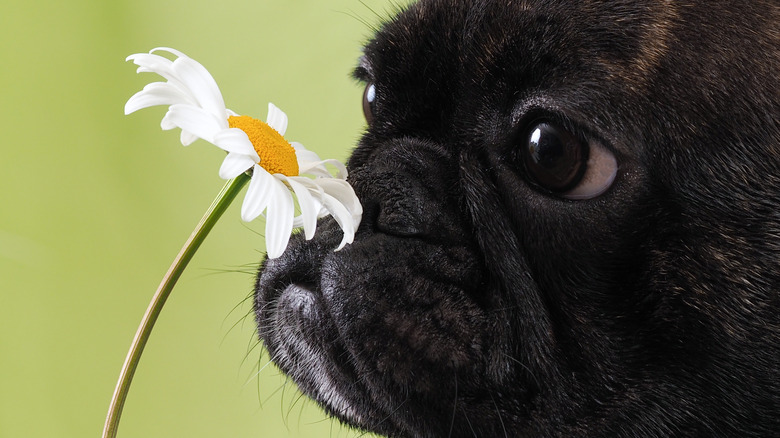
<point x="369" y="98"/>
<point x="554" y="157"/>
<point x="563" y="163"/>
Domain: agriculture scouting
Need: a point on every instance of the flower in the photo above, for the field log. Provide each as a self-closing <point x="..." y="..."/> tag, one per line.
<point x="195" y="105"/>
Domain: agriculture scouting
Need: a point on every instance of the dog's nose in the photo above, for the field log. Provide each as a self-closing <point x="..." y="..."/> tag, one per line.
<point x="402" y="208"/>
<point x="406" y="190"/>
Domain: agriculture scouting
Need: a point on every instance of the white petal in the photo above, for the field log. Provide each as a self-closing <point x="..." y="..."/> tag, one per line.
<point x="202" y="85"/>
<point x="187" y="138"/>
<point x="303" y="154"/>
<point x="166" y="124"/>
<point x="235" y="140"/>
<point x="276" y="119"/>
<point x="187" y="74"/>
<point x="165" y="68"/>
<point x="316" y="171"/>
<point x="318" y="168"/>
<point x="341" y="169"/>
<point x="174" y="52"/>
<point x="339" y="200"/>
<point x="193" y="120"/>
<point x="234" y="165"/>
<point x="156" y="93"/>
<point x="344" y="194"/>
<point x="343" y="217"/>
<point x="278" y="220"/>
<point x="149" y="63"/>
<point x="309" y="162"/>
<point x="258" y="194"/>
<point x="310" y="205"/>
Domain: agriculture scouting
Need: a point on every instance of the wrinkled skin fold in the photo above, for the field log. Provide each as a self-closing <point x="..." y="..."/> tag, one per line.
<point x="474" y="302"/>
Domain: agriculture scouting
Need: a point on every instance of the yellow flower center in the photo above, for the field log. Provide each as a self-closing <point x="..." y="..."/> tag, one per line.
<point x="276" y="154"/>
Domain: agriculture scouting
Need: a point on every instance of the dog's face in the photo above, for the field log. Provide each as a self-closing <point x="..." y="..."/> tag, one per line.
<point x="571" y="227"/>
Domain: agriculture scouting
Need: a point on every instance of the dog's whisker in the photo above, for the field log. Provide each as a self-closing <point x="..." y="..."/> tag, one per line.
<point x="504" y="309"/>
<point x="454" y="403"/>
<point x="524" y="366"/>
<point x="369" y="25"/>
<point x="295" y="401"/>
<point x="240" y="321"/>
<point x="254" y="376"/>
<point x="373" y="11"/>
<point x="500" y="417"/>
<point x="390" y="414"/>
<point x="251" y="347"/>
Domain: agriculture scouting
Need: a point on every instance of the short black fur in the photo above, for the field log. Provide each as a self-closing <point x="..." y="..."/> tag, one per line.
<point x="472" y="303"/>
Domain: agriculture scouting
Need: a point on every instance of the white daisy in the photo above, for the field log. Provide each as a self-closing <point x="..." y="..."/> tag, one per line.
<point x="278" y="167"/>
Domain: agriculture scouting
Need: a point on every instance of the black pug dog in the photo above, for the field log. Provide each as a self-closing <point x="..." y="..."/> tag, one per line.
<point x="571" y="227"/>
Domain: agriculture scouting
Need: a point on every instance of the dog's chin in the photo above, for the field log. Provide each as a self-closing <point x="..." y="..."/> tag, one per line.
<point x="356" y="340"/>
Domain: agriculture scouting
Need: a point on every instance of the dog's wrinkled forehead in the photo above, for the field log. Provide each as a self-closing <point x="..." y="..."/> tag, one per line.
<point x="452" y="59"/>
<point x="450" y="69"/>
<point x="542" y="39"/>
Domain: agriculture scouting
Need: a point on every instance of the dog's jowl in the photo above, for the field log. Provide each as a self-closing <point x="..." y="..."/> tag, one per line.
<point x="571" y="227"/>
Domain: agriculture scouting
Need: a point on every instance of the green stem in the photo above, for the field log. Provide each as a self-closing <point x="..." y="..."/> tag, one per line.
<point x="220" y="204"/>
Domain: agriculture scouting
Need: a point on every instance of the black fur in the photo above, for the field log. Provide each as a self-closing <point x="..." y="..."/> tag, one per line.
<point x="475" y="303"/>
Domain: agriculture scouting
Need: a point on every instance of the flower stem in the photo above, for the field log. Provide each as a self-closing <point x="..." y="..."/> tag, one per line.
<point x="220" y="204"/>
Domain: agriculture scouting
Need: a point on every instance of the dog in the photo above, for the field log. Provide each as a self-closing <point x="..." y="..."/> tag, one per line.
<point x="571" y="227"/>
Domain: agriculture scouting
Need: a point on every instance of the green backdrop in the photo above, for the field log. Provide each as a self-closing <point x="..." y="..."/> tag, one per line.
<point x="95" y="205"/>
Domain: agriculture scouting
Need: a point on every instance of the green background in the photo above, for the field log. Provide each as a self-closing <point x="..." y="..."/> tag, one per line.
<point x="95" y="205"/>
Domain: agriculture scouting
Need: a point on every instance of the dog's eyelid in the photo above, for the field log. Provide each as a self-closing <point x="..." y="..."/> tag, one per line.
<point x="529" y="114"/>
<point x="364" y="71"/>
<point x="361" y="74"/>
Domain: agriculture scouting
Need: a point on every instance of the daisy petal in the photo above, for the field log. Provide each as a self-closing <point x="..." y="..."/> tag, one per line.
<point x="276" y="119"/>
<point x="167" y="125"/>
<point x="187" y="138"/>
<point x="279" y="220"/>
<point x="318" y="168"/>
<point x="304" y="154"/>
<point x="193" y="120"/>
<point x="315" y="171"/>
<point x="201" y="84"/>
<point x="344" y="194"/>
<point x="343" y="217"/>
<point x="174" y="52"/>
<point x="310" y="205"/>
<point x="156" y="93"/>
<point x="149" y="63"/>
<point x="165" y="67"/>
<point x="341" y="169"/>
<point x="234" y="165"/>
<point x="235" y="140"/>
<point x="257" y="194"/>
